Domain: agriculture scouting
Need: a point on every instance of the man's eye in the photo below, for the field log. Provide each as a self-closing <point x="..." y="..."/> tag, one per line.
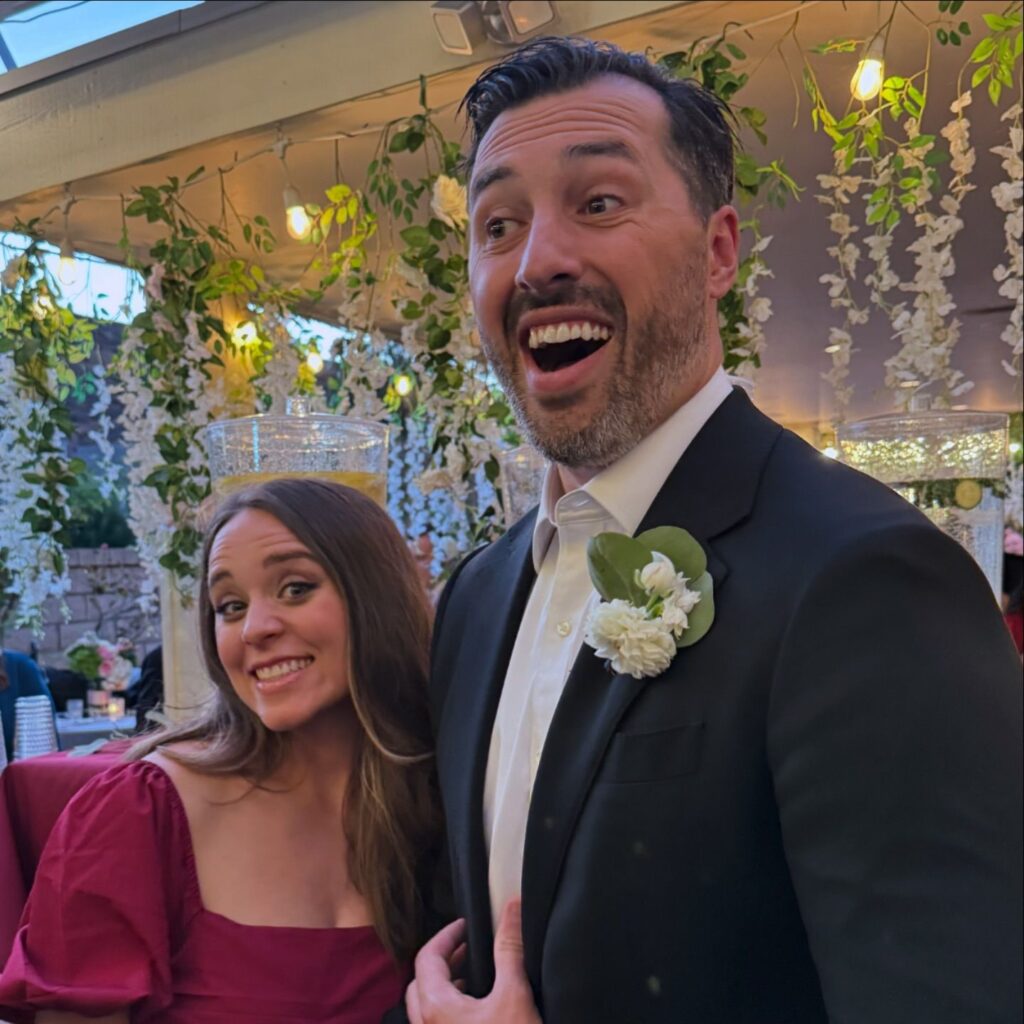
<point x="496" y="228"/>
<point x="602" y="204"/>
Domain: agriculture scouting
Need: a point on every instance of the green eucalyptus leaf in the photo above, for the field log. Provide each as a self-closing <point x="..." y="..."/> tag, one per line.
<point x="678" y="545"/>
<point x="703" y="614"/>
<point x="613" y="560"/>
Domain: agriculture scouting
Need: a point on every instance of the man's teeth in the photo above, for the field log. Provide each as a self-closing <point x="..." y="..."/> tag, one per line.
<point x="554" y="334"/>
<point x="282" y="668"/>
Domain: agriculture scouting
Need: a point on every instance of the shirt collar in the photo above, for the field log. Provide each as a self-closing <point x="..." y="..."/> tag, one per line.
<point x="626" y="489"/>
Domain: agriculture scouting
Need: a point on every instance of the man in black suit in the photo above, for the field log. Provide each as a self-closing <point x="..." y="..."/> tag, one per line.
<point x="814" y="813"/>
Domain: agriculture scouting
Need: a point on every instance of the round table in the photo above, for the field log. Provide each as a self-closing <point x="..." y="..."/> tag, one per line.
<point x="74" y="732"/>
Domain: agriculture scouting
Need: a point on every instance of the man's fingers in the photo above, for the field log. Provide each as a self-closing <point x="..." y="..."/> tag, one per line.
<point x="443" y="944"/>
<point x="508" y="943"/>
<point x="412" y="1003"/>
<point x="458" y="959"/>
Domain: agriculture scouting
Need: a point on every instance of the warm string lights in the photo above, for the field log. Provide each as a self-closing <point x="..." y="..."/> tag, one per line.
<point x="867" y="79"/>
<point x="67" y="267"/>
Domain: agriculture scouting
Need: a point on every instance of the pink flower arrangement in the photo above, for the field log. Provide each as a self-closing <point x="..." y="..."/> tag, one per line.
<point x="107" y="665"/>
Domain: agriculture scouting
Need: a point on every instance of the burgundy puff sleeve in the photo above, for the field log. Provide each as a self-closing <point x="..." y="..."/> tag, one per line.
<point x="113" y="886"/>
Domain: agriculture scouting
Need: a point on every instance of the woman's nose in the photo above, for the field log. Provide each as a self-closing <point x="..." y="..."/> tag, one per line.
<point x="261" y="622"/>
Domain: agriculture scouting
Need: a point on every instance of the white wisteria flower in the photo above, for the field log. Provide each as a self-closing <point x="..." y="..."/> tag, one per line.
<point x="449" y="202"/>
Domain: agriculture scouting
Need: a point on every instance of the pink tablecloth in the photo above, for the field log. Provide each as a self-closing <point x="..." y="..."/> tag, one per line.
<point x="32" y="795"/>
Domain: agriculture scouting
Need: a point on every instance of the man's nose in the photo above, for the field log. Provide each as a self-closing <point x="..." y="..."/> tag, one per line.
<point x="552" y="254"/>
<point x="261" y="622"/>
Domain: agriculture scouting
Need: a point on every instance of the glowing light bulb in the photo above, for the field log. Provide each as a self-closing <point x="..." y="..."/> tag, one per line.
<point x="42" y="306"/>
<point x="403" y="384"/>
<point x="67" y="265"/>
<point x="315" y="362"/>
<point x="830" y="452"/>
<point x="1014" y="447"/>
<point x="297" y="221"/>
<point x="867" y="79"/>
<point x="244" y="333"/>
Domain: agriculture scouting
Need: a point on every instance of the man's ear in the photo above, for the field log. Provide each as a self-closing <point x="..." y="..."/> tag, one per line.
<point x="723" y="235"/>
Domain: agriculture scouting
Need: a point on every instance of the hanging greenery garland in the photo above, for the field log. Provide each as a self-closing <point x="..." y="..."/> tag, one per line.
<point x="42" y="348"/>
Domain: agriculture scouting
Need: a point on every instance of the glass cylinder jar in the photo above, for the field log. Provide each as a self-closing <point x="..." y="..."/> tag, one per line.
<point x="252" y="449"/>
<point x="522" y="475"/>
<point x="951" y="465"/>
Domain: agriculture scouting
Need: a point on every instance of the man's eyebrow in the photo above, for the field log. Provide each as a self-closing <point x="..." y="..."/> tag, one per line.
<point x="609" y="147"/>
<point x="275" y="559"/>
<point x="577" y="151"/>
<point x="487" y="178"/>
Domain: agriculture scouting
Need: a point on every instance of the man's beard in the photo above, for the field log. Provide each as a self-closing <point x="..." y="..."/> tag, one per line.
<point x="658" y="353"/>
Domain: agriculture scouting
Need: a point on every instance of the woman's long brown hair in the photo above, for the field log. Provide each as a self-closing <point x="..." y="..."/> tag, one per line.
<point x="392" y="815"/>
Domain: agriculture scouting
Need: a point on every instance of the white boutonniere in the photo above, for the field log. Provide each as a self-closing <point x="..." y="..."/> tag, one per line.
<point x="657" y="597"/>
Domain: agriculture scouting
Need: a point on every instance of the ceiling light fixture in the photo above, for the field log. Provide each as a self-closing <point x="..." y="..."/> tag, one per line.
<point x="463" y="25"/>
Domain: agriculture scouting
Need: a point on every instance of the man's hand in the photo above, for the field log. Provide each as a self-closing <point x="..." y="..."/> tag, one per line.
<point x="433" y="997"/>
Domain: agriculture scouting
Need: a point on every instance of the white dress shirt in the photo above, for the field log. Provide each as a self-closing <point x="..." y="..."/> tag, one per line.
<point x="551" y="632"/>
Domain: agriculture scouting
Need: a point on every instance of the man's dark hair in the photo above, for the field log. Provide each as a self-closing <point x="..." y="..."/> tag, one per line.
<point x="701" y="138"/>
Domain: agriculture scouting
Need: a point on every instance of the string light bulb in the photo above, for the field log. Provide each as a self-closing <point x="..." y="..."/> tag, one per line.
<point x="297" y="221"/>
<point x="867" y="79"/>
<point x="315" y="362"/>
<point x="403" y="385"/>
<point x="67" y="265"/>
<point x="244" y="333"/>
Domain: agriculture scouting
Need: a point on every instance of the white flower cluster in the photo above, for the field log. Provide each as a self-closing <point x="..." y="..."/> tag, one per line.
<point x="839" y="189"/>
<point x="448" y="202"/>
<point x="27" y="557"/>
<point x="1010" y="275"/>
<point x="99" y="414"/>
<point x="641" y="640"/>
<point x="926" y="329"/>
<point x="758" y="310"/>
<point x="141" y="382"/>
<point x="281" y="373"/>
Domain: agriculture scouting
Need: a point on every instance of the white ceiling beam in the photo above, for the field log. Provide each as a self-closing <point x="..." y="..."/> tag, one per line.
<point x="263" y="65"/>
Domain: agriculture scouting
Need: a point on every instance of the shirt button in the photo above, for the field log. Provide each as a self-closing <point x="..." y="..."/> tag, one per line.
<point x="564" y="628"/>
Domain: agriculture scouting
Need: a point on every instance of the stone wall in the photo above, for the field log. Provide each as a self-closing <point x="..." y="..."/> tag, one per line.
<point x="103" y="597"/>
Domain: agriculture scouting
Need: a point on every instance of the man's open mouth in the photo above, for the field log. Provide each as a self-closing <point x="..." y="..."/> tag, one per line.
<point x="554" y="346"/>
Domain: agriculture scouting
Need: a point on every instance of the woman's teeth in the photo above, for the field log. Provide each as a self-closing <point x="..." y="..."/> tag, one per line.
<point x="282" y="668"/>
<point x="554" y="334"/>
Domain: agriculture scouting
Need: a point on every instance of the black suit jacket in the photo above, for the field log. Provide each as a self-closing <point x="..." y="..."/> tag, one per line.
<point x="813" y="815"/>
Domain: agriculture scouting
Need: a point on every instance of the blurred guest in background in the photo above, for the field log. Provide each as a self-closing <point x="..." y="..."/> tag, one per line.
<point x="282" y="844"/>
<point x="20" y="676"/>
<point x="147" y="692"/>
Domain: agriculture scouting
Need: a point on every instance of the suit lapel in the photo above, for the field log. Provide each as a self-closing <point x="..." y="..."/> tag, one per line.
<point x="487" y="631"/>
<point x="711" y="489"/>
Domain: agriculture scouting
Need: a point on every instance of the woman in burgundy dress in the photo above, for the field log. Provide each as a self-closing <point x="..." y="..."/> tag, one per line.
<point x="266" y="863"/>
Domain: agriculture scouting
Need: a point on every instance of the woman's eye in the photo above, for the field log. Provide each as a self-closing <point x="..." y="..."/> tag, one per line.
<point x="226" y="609"/>
<point x="602" y="204"/>
<point x="298" y="589"/>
